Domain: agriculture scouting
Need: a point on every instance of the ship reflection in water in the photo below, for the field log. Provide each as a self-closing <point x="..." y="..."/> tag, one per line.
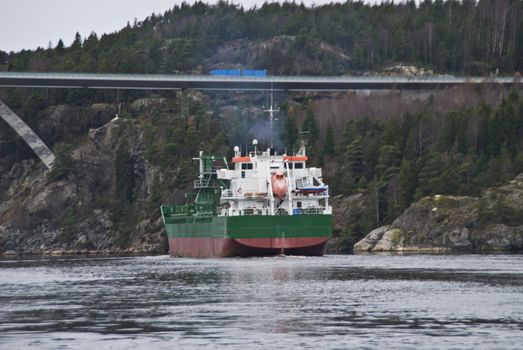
<point x="417" y="301"/>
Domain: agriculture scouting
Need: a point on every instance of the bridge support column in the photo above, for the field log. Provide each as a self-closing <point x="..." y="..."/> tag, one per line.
<point x="29" y="136"/>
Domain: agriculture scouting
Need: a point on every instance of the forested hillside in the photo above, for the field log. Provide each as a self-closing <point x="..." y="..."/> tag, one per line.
<point x="395" y="162"/>
<point x="380" y="153"/>
<point x="463" y="37"/>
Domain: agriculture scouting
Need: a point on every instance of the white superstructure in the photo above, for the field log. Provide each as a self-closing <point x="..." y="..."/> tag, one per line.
<point x="262" y="183"/>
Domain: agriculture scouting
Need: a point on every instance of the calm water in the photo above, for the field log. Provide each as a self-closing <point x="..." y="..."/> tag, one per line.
<point x="334" y="302"/>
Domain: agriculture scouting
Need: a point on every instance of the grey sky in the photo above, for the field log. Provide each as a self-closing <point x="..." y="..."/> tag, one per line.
<point x="27" y="24"/>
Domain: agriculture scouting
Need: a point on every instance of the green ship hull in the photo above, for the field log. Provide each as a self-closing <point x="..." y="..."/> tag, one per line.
<point x="251" y="235"/>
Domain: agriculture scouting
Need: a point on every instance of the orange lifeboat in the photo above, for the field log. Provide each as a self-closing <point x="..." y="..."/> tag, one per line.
<point x="279" y="185"/>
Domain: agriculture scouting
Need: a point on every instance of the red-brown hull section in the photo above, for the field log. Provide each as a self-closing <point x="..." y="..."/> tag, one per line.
<point x="227" y="247"/>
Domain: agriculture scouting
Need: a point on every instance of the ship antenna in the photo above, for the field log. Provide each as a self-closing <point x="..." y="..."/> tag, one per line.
<point x="271" y="111"/>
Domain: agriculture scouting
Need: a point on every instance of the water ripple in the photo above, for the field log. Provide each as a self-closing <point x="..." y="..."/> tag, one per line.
<point x="334" y="302"/>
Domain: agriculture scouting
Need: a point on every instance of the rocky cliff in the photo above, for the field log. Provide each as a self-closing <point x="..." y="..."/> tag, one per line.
<point x="489" y="223"/>
<point x="78" y="206"/>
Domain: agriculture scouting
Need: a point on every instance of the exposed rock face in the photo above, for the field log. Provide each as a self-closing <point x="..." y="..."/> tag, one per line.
<point x="492" y="222"/>
<point x="403" y="71"/>
<point x="76" y="213"/>
<point x="347" y="214"/>
<point x="407" y="71"/>
<point x="342" y="208"/>
<point x="248" y="54"/>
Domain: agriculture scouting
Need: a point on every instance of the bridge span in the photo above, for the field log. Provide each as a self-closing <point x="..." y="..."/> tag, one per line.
<point x="208" y="82"/>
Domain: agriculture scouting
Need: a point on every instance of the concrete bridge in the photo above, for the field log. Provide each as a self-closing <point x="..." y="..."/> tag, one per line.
<point x="208" y="82"/>
<point x="28" y="135"/>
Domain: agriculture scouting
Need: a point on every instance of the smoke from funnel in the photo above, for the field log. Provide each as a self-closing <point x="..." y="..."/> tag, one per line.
<point x="261" y="130"/>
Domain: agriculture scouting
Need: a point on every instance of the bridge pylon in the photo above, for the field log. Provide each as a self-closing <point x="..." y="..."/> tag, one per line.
<point x="28" y="135"/>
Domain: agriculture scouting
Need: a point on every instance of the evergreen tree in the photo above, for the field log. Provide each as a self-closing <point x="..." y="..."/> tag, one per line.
<point x="124" y="174"/>
<point x="449" y="179"/>
<point x="311" y="126"/>
<point x="408" y="181"/>
<point x="291" y="134"/>
<point x="311" y="131"/>
<point x="428" y="178"/>
<point x="518" y="52"/>
<point x="388" y="162"/>
<point x="329" y="148"/>
<point x="3" y="57"/>
<point x="454" y="132"/>
<point x="518" y="163"/>
<point x="64" y="164"/>
<point x="481" y="141"/>
<point x="354" y="158"/>
<point x="409" y="151"/>
<point x="60" y="46"/>
<point x="77" y="43"/>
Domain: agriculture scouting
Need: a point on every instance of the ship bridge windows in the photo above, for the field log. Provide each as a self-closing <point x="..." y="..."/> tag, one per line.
<point x="247" y="166"/>
<point x="294" y="165"/>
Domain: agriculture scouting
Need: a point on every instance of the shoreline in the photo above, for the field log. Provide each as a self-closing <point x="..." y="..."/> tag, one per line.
<point x="136" y="252"/>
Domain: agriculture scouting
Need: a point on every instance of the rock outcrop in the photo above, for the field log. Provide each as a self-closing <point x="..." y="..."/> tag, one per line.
<point x="77" y="212"/>
<point x="489" y="223"/>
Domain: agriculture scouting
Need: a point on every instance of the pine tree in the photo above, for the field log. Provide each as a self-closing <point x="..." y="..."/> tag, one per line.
<point x="124" y="174"/>
<point x="329" y="148"/>
<point x="354" y="158"/>
<point x="454" y="132"/>
<point x="518" y="52"/>
<point x="388" y="161"/>
<point x="60" y="46"/>
<point x="291" y="134"/>
<point x="310" y="125"/>
<point x="64" y="164"/>
<point x="410" y="151"/>
<point x="518" y="163"/>
<point x="77" y="43"/>
<point x="408" y="181"/>
<point x="483" y="113"/>
<point x="311" y="128"/>
<point x="429" y="176"/>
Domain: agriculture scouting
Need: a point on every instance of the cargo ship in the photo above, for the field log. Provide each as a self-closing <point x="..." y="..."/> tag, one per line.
<point x="263" y="204"/>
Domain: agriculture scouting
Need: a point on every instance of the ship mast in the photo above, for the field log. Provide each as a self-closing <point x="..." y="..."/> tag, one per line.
<point x="271" y="111"/>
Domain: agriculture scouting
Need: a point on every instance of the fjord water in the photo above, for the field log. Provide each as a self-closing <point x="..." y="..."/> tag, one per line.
<point x="332" y="302"/>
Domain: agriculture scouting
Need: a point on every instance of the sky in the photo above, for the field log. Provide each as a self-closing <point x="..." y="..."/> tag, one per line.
<point x="28" y="24"/>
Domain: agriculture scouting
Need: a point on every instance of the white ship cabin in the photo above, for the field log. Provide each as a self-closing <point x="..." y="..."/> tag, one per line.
<point x="262" y="183"/>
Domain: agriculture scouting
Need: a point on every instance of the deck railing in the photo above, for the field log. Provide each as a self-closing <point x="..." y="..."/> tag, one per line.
<point x="181" y="211"/>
